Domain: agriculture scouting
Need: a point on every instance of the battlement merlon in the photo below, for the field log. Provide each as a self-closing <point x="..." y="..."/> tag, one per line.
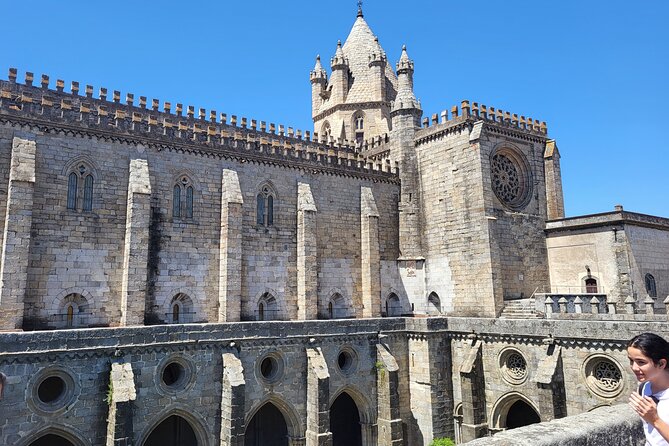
<point x="473" y="112"/>
<point x="26" y="103"/>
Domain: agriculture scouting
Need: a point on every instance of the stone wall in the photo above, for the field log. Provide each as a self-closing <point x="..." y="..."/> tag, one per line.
<point x="74" y="251"/>
<point x="603" y="426"/>
<point x="406" y="376"/>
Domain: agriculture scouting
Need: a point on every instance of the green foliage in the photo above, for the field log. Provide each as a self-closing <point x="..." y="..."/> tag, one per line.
<point x="442" y="442"/>
<point x="381" y="368"/>
<point x="110" y="393"/>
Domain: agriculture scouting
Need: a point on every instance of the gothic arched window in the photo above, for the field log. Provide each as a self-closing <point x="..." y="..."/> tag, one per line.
<point x="591" y="285"/>
<point x="359" y="125"/>
<point x="651" y="289"/>
<point x="265" y="206"/>
<point x="72" y="191"/>
<point x="88" y="193"/>
<point x="182" y="198"/>
<point x="268" y="308"/>
<point x="80" y="182"/>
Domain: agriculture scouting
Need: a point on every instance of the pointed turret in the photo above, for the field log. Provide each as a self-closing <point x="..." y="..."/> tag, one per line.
<point x="405" y="98"/>
<point x="318" y="74"/>
<point x="319" y="81"/>
<point x="339" y="77"/>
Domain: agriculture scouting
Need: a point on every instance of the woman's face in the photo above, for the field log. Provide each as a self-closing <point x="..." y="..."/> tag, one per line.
<point x="643" y="367"/>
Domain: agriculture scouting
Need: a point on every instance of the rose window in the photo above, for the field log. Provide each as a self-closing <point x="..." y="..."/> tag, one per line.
<point x="505" y="179"/>
<point x="513" y="366"/>
<point x="607" y="375"/>
<point x="516" y="366"/>
<point x="603" y="376"/>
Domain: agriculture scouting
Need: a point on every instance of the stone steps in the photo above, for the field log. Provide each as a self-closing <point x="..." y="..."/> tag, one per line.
<point x="520" y="309"/>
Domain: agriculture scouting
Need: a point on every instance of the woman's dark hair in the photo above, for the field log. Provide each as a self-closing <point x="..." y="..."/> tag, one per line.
<point x="651" y="345"/>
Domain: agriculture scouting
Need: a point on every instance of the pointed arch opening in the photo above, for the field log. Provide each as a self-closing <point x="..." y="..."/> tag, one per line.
<point x="173" y="431"/>
<point x="514" y="410"/>
<point x="345" y="421"/>
<point x="393" y="307"/>
<point x="180" y="310"/>
<point x="337" y="307"/>
<point x="433" y="304"/>
<point x="73" y="312"/>
<point x="54" y="436"/>
<point x="268" y="308"/>
<point x="52" y="440"/>
<point x="267" y="427"/>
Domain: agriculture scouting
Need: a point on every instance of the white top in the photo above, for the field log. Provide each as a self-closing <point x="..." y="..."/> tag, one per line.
<point x="653" y="437"/>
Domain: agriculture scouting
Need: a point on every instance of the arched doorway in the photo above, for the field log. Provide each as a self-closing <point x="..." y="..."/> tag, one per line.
<point x="521" y="414"/>
<point x="267" y="427"/>
<point x="51" y="440"/>
<point x="345" y="422"/>
<point x="173" y="431"/>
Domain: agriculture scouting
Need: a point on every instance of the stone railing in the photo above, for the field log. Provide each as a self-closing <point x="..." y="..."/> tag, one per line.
<point x="604" y="426"/>
<point x="599" y="306"/>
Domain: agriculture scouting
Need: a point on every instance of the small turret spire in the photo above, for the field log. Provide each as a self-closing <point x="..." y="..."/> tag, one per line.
<point x="405" y="98"/>
<point x="360" y="8"/>
<point x="339" y="59"/>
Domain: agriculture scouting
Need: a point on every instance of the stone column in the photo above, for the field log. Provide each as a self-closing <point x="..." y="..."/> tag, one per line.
<point x="550" y="383"/>
<point x="230" y="249"/>
<point x="368" y="434"/>
<point x="120" y="396"/>
<point x="318" y="399"/>
<point x="307" y="256"/>
<point x="136" y="251"/>
<point x="474" y="420"/>
<point x="296" y="441"/>
<point x="16" y="234"/>
<point x="389" y="422"/>
<point x="370" y="256"/>
<point x="233" y="391"/>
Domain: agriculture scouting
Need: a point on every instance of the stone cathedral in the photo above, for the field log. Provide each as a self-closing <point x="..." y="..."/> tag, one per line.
<point x="176" y="276"/>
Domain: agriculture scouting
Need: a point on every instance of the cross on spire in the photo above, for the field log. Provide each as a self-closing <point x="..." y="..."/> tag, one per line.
<point x="359" y="8"/>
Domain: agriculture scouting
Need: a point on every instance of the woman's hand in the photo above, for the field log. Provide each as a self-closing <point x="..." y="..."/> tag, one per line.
<point x="645" y="407"/>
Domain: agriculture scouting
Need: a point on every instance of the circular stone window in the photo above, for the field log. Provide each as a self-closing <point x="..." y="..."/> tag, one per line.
<point x="347" y="360"/>
<point x="603" y="376"/>
<point x="513" y="366"/>
<point x="270" y="367"/>
<point x="176" y="373"/>
<point x="52" y="391"/>
<point x="510" y="178"/>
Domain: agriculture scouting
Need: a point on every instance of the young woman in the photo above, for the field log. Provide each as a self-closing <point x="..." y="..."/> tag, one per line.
<point x="649" y="357"/>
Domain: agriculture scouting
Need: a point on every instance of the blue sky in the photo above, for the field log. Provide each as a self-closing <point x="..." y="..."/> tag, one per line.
<point x="596" y="71"/>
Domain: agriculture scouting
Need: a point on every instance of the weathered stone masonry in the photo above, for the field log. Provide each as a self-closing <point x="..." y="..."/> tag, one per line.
<point x="115" y="388"/>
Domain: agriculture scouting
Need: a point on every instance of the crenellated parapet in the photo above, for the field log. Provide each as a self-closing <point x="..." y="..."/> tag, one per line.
<point x="472" y="112"/>
<point x="189" y="129"/>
